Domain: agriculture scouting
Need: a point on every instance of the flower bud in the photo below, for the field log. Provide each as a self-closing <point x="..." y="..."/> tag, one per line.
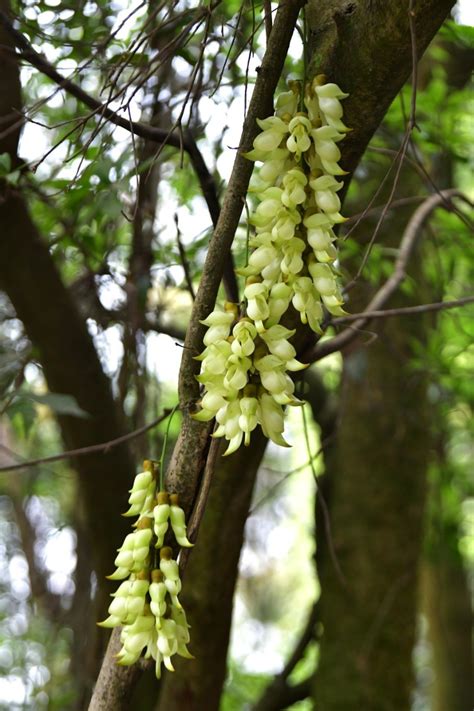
<point x="178" y="523"/>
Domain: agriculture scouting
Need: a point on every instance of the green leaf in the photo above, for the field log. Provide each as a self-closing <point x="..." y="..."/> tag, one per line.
<point x="5" y="163"/>
<point x="13" y="177"/>
<point x="22" y="415"/>
<point x="60" y="404"/>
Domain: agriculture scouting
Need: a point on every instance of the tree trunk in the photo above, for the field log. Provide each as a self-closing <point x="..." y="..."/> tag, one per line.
<point x="377" y="485"/>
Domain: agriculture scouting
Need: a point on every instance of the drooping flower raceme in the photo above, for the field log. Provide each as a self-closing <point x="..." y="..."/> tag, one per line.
<point x="146" y="603"/>
<point x="248" y="357"/>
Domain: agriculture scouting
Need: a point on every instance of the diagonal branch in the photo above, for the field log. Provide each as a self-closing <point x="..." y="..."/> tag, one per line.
<point x="103" y="447"/>
<point x="259" y="107"/>
<point x="190" y="451"/>
<point x="408" y="310"/>
<point x="407" y="246"/>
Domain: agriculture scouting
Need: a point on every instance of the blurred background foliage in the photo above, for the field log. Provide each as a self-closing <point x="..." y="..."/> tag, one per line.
<point x="80" y="175"/>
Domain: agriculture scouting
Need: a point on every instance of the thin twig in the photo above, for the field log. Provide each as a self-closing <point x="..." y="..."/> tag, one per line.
<point x="406" y="310"/>
<point x="267" y="10"/>
<point x="156" y="134"/>
<point x="200" y="505"/>
<point x="407" y="245"/>
<point x="102" y="447"/>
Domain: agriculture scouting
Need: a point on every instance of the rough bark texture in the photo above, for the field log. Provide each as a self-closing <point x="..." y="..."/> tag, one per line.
<point x="113" y="689"/>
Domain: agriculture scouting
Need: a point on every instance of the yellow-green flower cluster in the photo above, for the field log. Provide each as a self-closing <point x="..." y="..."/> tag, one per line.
<point x="146" y="604"/>
<point x="248" y="357"/>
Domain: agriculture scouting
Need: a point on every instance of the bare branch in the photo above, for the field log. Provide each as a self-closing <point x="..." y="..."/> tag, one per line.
<point x="407" y="245"/>
<point x="260" y="106"/>
<point x="209" y="191"/>
<point x="102" y="447"/>
<point x="184" y="260"/>
<point x="198" y="511"/>
<point x="267" y="11"/>
<point x="178" y="139"/>
<point x="407" y="310"/>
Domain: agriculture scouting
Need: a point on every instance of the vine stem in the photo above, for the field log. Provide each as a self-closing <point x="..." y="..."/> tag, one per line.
<point x="163" y="450"/>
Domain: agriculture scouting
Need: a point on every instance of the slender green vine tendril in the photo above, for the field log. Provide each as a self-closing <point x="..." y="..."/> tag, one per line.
<point x="163" y="450"/>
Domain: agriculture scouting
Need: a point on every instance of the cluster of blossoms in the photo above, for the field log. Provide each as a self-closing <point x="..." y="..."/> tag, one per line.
<point x="246" y="363"/>
<point x="146" y="603"/>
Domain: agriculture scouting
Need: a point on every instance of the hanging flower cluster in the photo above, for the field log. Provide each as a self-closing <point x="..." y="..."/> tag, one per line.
<point x="146" y="604"/>
<point x="248" y="357"/>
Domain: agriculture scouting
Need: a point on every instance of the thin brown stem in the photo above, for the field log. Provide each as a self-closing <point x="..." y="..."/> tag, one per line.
<point x="102" y="447"/>
<point x="407" y="246"/>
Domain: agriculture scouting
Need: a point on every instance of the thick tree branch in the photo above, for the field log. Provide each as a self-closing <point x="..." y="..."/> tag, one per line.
<point x="366" y="46"/>
<point x="115" y="684"/>
<point x="208" y="599"/>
